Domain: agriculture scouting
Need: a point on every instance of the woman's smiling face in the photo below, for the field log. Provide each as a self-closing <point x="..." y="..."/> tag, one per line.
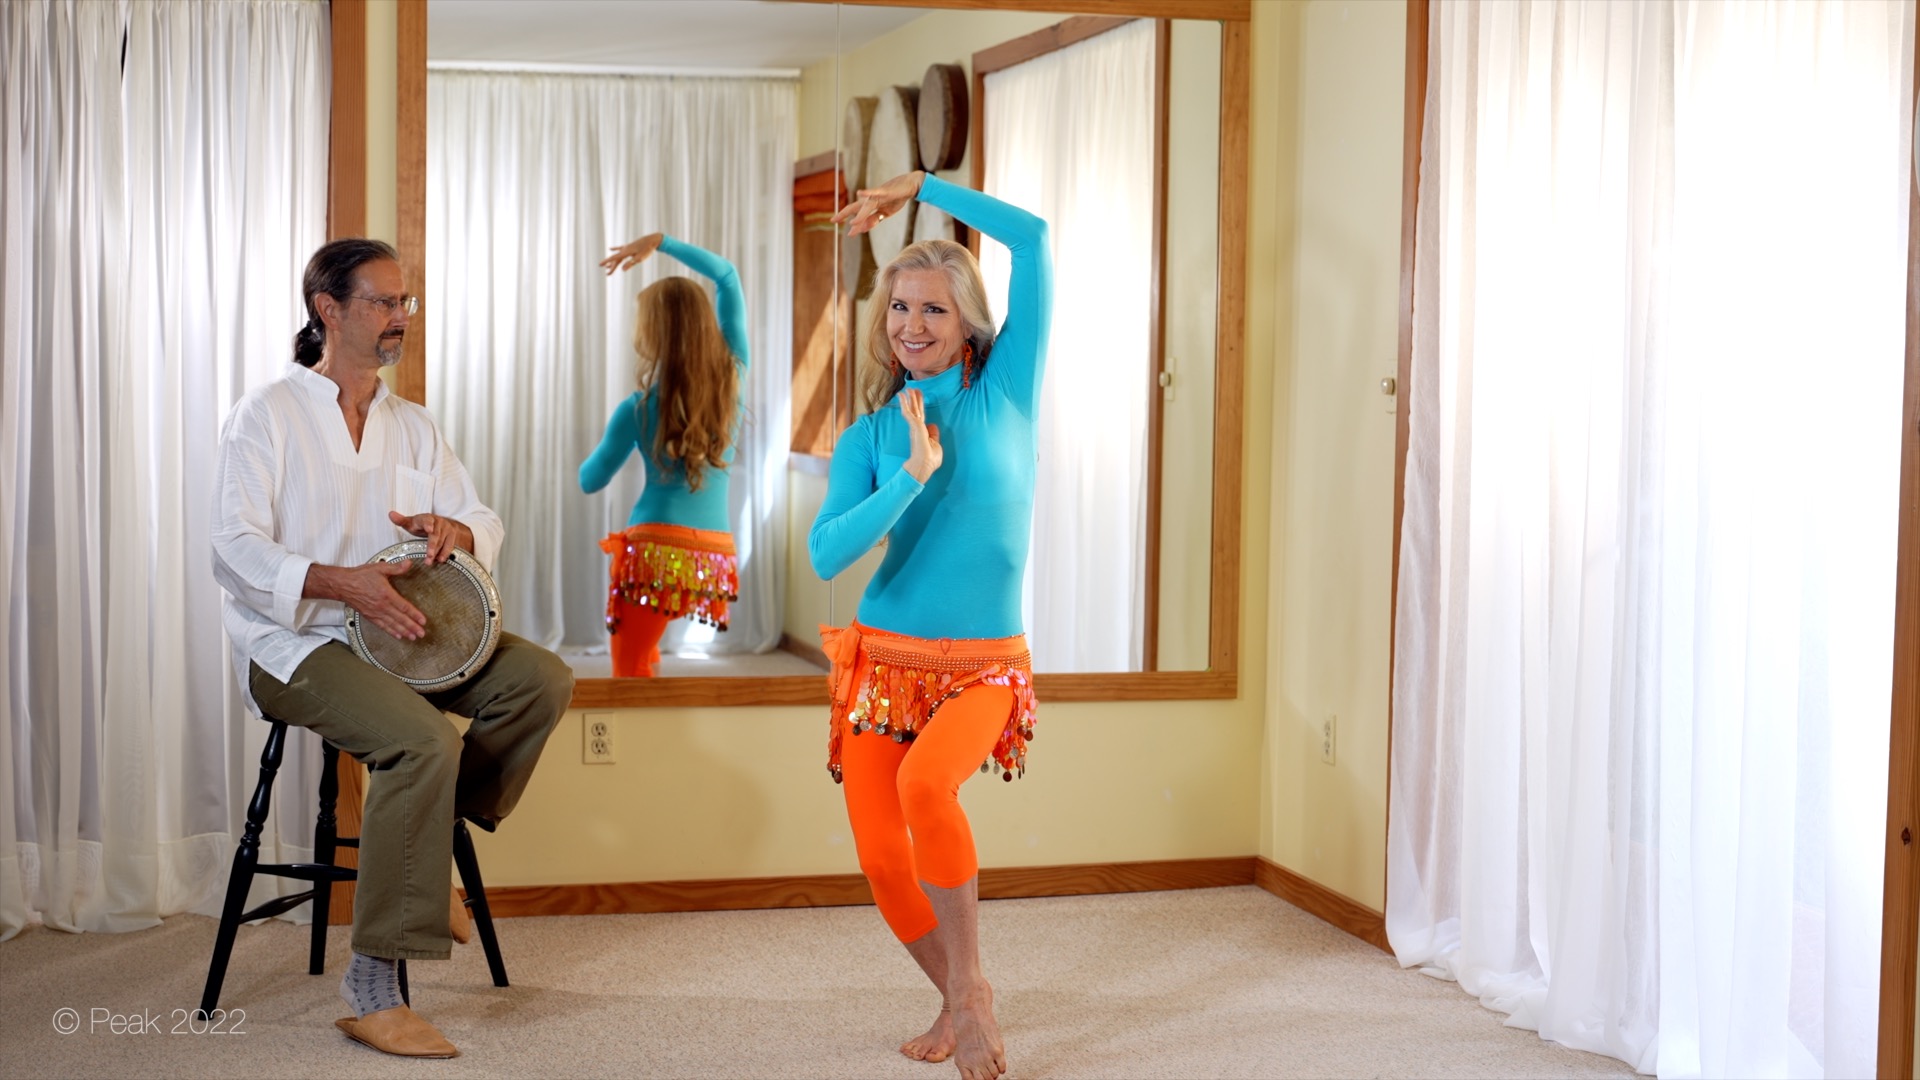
<point x="924" y="324"/>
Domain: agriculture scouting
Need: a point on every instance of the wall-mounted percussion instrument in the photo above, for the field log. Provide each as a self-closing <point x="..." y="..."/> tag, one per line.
<point x="856" y="253"/>
<point x="892" y="150"/>
<point x="933" y="223"/>
<point x="943" y="117"/>
<point x="462" y="607"/>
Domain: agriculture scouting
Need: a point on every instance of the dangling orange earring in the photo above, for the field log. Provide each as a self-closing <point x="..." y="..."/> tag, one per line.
<point x="966" y="365"/>
<point x="893" y="366"/>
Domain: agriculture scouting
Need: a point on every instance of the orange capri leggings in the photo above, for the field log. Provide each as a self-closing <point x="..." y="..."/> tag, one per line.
<point x="955" y="711"/>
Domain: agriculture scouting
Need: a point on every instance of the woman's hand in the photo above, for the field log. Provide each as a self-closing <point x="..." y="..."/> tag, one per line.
<point x="628" y="256"/>
<point x="924" y="454"/>
<point x="874" y="205"/>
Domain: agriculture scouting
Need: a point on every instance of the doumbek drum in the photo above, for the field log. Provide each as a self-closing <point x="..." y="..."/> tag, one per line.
<point x="462" y="607"/>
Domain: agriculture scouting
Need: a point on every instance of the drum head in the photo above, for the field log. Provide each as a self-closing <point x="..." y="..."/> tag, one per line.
<point x="463" y="621"/>
<point x="942" y="119"/>
<point x="856" y="254"/>
<point x="892" y="150"/>
<point x="933" y="223"/>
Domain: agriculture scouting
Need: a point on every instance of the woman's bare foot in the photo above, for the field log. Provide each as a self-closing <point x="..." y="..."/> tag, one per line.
<point x="936" y="1044"/>
<point x="978" y="1052"/>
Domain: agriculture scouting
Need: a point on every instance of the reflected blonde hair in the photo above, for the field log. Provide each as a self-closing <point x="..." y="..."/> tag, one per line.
<point x="685" y="363"/>
<point x="879" y="381"/>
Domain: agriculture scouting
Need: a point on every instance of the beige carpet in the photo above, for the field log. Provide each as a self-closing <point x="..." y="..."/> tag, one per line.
<point x="1202" y="983"/>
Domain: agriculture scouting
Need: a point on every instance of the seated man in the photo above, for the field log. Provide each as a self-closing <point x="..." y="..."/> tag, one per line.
<point x="318" y="471"/>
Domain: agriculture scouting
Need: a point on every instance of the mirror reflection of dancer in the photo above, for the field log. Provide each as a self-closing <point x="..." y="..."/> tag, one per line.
<point x="934" y="677"/>
<point x="675" y="557"/>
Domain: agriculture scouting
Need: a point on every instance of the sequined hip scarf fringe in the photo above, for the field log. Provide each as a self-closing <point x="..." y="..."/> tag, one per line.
<point x="890" y="685"/>
<point x="674" y="570"/>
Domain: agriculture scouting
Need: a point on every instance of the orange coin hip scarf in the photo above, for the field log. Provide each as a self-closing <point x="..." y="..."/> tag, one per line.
<point x="890" y="686"/>
<point x="674" y="570"/>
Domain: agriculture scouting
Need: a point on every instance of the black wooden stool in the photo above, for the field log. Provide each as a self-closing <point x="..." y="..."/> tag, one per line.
<point x="322" y="872"/>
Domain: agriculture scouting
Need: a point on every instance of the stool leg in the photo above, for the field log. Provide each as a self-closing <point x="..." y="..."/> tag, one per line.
<point x="469" y="865"/>
<point x="245" y="858"/>
<point x="405" y="996"/>
<point x="325" y="830"/>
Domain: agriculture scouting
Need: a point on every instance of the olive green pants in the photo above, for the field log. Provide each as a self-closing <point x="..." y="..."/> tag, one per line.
<point x="422" y="772"/>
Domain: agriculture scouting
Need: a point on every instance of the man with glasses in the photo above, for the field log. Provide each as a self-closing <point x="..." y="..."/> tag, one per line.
<point x="318" y="471"/>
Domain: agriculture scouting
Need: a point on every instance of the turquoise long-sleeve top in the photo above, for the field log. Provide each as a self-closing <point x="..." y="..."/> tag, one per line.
<point x="667" y="500"/>
<point x="957" y="545"/>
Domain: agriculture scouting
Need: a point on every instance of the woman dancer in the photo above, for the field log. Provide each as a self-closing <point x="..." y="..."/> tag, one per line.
<point x="934" y="678"/>
<point x="675" y="557"/>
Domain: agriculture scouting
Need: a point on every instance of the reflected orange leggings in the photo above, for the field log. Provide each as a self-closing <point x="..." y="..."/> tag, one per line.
<point x="636" y="645"/>
<point x="903" y="800"/>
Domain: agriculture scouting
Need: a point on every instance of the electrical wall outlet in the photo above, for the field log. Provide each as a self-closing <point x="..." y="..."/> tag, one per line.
<point x="1329" y="729"/>
<point x="597" y="745"/>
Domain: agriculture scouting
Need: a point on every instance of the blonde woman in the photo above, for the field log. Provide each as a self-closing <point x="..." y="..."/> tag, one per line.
<point x="675" y="558"/>
<point x="934" y="679"/>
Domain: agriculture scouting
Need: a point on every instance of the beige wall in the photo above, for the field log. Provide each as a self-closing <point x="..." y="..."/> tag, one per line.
<point x="1331" y="506"/>
<point x="383" y="127"/>
<point x="383" y="120"/>
<point x="723" y="793"/>
<point x="742" y="792"/>
<point x="1192" y="257"/>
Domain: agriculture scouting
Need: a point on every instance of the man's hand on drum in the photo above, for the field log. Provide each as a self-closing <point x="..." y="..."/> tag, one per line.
<point x="368" y="589"/>
<point x="443" y="533"/>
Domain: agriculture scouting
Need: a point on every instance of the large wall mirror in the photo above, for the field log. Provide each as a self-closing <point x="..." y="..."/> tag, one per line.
<point x="722" y="115"/>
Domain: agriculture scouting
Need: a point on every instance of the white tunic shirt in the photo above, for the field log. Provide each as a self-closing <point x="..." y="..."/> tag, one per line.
<point x="292" y="491"/>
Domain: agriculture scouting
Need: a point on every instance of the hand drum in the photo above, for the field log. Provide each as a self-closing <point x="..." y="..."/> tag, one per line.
<point x="463" y="621"/>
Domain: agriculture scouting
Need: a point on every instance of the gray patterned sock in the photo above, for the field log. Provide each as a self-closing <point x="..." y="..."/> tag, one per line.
<point x="372" y="983"/>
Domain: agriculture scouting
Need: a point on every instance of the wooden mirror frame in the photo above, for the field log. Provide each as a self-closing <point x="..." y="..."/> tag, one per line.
<point x="1221" y="679"/>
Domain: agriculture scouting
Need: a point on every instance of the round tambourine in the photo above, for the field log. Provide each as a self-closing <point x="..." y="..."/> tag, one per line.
<point x="462" y="607"/>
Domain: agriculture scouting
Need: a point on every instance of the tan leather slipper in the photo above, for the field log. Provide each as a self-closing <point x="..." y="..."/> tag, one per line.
<point x="458" y="922"/>
<point x="399" y="1031"/>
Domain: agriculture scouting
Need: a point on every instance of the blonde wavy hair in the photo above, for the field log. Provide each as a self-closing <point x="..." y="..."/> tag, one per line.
<point x="879" y="381"/>
<point x="685" y="362"/>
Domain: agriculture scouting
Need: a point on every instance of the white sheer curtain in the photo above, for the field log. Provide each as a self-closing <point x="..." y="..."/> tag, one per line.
<point x="532" y="177"/>
<point x="1645" y="617"/>
<point x="157" y="216"/>
<point x="1069" y="137"/>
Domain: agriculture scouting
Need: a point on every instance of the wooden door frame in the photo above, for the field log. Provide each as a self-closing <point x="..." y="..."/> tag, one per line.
<point x="1900" y="901"/>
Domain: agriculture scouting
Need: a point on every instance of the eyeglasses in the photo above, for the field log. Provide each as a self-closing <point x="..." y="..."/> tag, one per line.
<point x="387" y="304"/>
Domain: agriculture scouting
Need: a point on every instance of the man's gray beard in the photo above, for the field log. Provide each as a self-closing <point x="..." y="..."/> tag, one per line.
<point x="390" y="354"/>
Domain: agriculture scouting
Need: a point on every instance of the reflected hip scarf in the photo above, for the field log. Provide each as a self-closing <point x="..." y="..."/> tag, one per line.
<point x="673" y="570"/>
<point x="892" y="684"/>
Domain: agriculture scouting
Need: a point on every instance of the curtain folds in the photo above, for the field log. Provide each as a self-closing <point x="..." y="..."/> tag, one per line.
<point x="1644" y="627"/>
<point x="533" y="178"/>
<point x="1070" y="138"/>
<point x="165" y="179"/>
